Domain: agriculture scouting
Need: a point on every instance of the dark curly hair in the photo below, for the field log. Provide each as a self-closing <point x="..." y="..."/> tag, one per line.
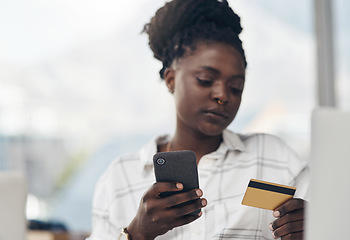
<point x="180" y="23"/>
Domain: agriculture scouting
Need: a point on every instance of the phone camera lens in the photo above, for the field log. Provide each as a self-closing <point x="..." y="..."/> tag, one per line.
<point x="160" y="161"/>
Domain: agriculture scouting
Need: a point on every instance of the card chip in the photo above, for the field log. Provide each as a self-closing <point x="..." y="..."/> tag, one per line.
<point x="267" y="195"/>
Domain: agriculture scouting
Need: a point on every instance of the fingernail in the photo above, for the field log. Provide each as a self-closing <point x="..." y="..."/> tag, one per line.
<point x="276" y="214"/>
<point x="204" y="202"/>
<point x="273" y="235"/>
<point x="200" y="214"/>
<point x="179" y="185"/>
<point x="199" y="193"/>
<point x="271" y="228"/>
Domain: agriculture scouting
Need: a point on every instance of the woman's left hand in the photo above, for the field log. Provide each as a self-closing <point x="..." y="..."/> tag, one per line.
<point x="289" y="224"/>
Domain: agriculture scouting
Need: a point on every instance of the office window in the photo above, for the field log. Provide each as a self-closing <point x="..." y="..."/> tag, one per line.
<point x="79" y="86"/>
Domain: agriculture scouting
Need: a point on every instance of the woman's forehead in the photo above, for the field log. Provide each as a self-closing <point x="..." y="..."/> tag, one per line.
<point x="211" y="54"/>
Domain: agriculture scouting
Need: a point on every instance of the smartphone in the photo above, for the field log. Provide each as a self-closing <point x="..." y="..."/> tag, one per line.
<point x="177" y="166"/>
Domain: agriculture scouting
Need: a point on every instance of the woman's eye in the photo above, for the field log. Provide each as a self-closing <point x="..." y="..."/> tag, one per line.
<point x="204" y="82"/>
<point x="236" y="91"/>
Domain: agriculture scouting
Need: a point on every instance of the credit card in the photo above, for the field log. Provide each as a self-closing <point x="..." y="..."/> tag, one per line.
<point x="267" y="195"/>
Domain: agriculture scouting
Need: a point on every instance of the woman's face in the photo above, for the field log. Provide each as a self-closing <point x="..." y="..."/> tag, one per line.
<point x="211" y="74"/>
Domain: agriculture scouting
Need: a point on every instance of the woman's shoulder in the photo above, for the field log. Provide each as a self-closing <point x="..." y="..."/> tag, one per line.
<point x="254" y="139"/>
<point x="263" y="144"/>
<point x="136" y="161"/>
<point x="123" y="172"/>
<point x="270" y="146"/>
<point x="261" y="137"/>
<point x="124" y="158"/>
<point x="119" y="167"/>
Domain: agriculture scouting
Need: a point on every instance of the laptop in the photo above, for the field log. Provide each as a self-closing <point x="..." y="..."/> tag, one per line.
<point x="13" y="195"/>
<point x="329" y="209"/>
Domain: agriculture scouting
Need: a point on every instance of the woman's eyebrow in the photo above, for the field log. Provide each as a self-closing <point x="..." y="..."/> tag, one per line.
<point x="239" y="76"/>
<point x="211" y="69"/>
<point x="216" y="71"/>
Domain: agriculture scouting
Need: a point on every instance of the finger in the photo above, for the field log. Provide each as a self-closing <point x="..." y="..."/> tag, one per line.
<point x="289" y="206"/>
<point x="179" y="198"/>
<point x="160" y="187"/>
<point x="172" y="215"/>
<point x="288" y="229"/>
<point x="186" y="219"/>
<point x="294" y="236"/>
<point x="296" y="215"/>
<point x="185" y="209"/>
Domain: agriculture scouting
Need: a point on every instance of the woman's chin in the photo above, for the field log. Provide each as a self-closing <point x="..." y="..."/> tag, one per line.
<point x="212" y="131"/>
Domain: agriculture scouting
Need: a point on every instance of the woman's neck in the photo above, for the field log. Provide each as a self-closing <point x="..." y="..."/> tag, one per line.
<point x="200" y="144"/>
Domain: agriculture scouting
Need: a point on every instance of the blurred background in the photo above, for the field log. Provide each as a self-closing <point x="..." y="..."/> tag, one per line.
<point x="79" y="87"/>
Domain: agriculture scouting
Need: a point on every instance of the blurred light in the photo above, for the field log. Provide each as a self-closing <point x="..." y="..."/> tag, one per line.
<point x="44" y="121"/>
<point x="11" y="96"/>
<point x="33" y="207"/>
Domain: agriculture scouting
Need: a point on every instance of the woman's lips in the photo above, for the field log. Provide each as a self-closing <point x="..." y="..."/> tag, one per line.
<point x="216" y="113"/>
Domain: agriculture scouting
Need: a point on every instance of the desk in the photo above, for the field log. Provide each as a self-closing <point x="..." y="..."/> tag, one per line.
<point x="46" y="235"/>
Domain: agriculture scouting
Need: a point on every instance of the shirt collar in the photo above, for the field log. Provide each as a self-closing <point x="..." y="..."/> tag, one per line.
<point x="231" y="141"/>
<point x="151" y="148"/>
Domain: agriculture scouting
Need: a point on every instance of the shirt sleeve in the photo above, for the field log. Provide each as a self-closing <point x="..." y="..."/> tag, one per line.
<point x="300" y="174"/>
<point x="302" y="183"/>
<point x="297" y="175"/>
<point x="104" y="197"/>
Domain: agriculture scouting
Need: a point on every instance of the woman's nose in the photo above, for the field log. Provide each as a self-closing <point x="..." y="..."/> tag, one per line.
<point x="219" y="93"/>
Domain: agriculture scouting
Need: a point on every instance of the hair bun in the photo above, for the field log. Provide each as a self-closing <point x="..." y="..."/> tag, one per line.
<point x="177" y="15"/>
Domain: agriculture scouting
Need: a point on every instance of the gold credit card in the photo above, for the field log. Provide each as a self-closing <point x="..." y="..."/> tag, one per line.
<point x="266" y="195"/>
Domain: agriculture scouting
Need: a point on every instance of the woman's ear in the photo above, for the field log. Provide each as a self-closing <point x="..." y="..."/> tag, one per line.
<point x="169" y="78"/>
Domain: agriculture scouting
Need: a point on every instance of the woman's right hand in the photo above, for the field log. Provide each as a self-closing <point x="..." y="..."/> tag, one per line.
<point x="157" y="215"/>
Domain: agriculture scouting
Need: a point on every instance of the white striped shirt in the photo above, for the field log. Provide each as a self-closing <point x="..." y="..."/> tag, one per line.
<point x="223" y="176"/>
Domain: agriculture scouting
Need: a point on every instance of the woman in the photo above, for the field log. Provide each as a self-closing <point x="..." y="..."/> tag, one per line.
<point x="204" y="69"/>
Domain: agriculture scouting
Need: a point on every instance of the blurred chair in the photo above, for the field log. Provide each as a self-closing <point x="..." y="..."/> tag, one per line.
<point x="328" y="212"/>
<point x="13" y="196"/>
